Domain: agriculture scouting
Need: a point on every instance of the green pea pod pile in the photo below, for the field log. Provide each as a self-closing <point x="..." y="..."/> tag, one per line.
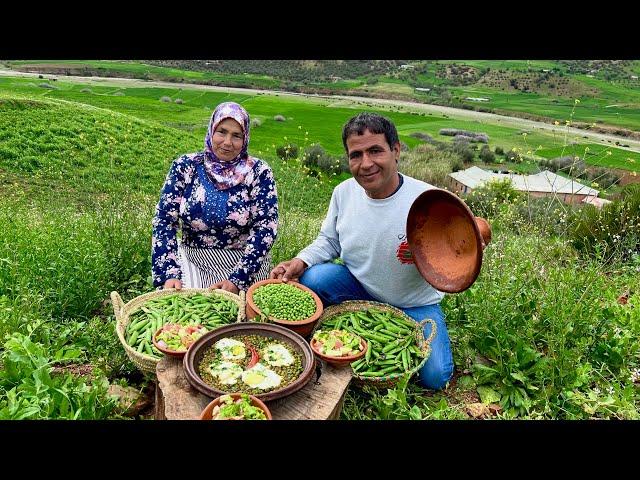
<point x="393" y="341"/>
<point x="210" y="311"/>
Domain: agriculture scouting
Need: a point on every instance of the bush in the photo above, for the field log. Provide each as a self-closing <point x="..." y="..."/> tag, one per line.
<point x="487" y="201"/>
<point x="499" y="151"/>
<point x="287" y="151"/>
<point x="86" y="90"/>
<point x="165" y="99"/>
<point x="513" y="156"/>
<point x="255" y="122"/>
<point x="463" y="150"/>
<point x="179" y="101"/>
<point x="279" y="118"/>
<point x="609" y="234"/>
<point x="315" y="156"/>
<point x="47" y="85"/>
<point x="486" y="155"/>
<point x="430" y="164"/>
<point x="425" y="137"/>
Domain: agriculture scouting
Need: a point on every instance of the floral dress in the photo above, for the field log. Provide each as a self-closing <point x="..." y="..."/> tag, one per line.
<point x="242" y="218"/>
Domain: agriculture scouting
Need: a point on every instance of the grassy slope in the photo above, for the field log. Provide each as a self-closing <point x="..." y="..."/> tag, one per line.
<point x="303" y="115"/>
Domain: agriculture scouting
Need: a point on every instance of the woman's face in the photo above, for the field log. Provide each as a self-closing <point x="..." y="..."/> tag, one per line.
<point x="227" y="140"/>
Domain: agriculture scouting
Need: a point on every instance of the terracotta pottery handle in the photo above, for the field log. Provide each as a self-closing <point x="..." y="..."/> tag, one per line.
<point x="485" y="230"/>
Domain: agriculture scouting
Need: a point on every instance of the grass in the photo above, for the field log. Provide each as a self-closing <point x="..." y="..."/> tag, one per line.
<point x="540" y="333"/>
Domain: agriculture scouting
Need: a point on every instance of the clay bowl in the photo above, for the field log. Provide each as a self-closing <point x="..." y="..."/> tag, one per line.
<point x="340" y="361"/>
<point x="195" y="353"/>
<point x="301" y="327"/>
<point x="256" y="402"/>
<point x="166" y="351"/>
<point x="445" y="240"/>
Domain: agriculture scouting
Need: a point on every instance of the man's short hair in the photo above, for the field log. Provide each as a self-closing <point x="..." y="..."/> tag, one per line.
<point x="374" y="123"/>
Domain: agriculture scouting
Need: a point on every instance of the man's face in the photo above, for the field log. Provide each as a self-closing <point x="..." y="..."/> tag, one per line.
<point x="373" y="163"/>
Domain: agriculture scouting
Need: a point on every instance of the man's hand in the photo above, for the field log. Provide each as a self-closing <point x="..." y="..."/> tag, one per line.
<point x="289" y="270"/>
<point x="173" y="283"/>
<point x="226" y="285"/>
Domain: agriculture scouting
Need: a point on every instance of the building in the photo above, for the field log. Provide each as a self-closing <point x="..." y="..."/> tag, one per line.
<point x="543" y="184"/>
<point x="477" y="99"/>
<point x="422" y="89"/>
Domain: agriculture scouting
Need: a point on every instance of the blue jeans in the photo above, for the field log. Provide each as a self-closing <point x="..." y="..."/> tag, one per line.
<point x="334" y="284"/>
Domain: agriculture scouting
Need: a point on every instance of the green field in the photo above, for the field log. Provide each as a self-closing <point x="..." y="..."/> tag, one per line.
<point x="306" y="122"/>
<point x="615" y="104"/>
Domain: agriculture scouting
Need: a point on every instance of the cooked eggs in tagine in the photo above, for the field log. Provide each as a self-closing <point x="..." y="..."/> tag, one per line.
<point x="227" y="372"/>
<point x="277" y="355"/>
<point x="261" y="377"/>
<point x="231" y="349"/>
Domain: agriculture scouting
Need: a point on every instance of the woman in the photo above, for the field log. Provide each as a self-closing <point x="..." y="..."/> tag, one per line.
<point x="225" y="204"/>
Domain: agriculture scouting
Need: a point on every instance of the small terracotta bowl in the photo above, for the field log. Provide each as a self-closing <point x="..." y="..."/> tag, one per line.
<point x="340" y="361"/>
<point x="301" y="327"/>
<point x="256" y="402"/>
<point x="166" y="351"/>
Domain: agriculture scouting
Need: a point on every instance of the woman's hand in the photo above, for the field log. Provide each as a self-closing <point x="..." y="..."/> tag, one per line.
<point x="226" y="285"/>
<point x="173" y="283"/>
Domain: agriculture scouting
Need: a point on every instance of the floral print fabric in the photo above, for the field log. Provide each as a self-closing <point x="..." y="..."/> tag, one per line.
<point x="243" y="216"/>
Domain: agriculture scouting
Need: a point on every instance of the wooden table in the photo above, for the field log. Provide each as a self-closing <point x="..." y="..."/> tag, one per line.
<point x="320" y="399"/>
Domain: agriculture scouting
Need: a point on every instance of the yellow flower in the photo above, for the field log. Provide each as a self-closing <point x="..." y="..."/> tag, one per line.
<point x="631" y="160"/>
<point x="577" y="101"/>
<point x="556" y="123"/>
<point x="634" y="173"/>
<point x="609" y="152"/>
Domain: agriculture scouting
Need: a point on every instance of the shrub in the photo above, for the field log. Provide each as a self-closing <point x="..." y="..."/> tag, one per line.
<point x="486" y="155"/>
<point x="499" y="151"/>
<point x="487" y="200"/>
<point x="279" y="118"/>
<point x="609" y="234"/>
<point x="463" y="150"/>
<point x="255" y="122"/>
<point x="47" y="85"/>
<point x="430" y="164"/>
<point x="179" y="101"/>
<point x="165" y="99"/>
<point x="422" y="136"/>
<point x="86" y="90"/>
<point x="287" y="151"/>
<point x="513" y="156"/>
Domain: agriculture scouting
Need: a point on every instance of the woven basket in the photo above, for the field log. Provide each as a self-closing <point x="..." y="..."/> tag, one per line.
<point x="146" y="363"/>
<point x="392" y="379"/>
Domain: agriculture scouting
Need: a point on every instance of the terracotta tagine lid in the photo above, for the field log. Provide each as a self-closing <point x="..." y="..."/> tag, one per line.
<point x="446" y="240"/>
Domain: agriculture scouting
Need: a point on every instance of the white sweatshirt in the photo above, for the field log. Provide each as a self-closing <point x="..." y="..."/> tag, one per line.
<point x="370" y="236"/>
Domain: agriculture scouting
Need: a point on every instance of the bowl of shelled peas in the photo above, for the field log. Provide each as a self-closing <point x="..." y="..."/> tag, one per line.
<point x="289" y="304"/>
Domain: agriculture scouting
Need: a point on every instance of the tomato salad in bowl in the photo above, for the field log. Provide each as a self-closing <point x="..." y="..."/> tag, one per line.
<point x="173" y="339"/>
<point x="338" y="347"/>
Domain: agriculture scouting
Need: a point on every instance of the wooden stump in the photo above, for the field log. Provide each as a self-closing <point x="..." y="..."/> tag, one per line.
<point x="320" y="399"/>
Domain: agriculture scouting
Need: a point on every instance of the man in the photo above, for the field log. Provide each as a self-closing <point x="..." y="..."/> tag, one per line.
<point x="365" y="227"/>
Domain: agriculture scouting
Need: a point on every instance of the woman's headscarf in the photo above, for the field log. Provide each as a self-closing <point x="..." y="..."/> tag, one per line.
<point x="232" y="173"/>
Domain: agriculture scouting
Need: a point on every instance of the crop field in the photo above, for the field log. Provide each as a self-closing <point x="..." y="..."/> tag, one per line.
<point x="542" y="334"/>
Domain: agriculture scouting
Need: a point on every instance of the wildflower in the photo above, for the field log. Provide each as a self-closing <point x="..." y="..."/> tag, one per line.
<point x="609" y="152"/>
<point x="577" y="101"/>
<point x="556" y="123"/>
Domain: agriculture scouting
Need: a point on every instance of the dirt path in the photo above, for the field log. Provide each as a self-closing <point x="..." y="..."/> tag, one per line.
<point x="457" y="113"/>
